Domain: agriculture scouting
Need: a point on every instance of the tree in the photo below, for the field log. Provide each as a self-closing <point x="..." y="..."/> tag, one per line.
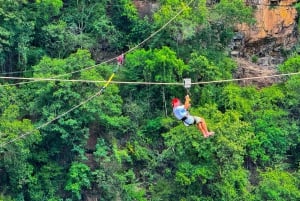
<point x="17" y="139"/>
<point x="290" y="103"/>
<point x="276" y="184"/>
<point x="223" y="18"/>
<point x="131" y="29"/>
<point x="192" y="16"/>
<point x="47" y="179"/>
<point x="270" y="123"/>
<point x="78" y="178"/>
<point x="17" y="29"/>
<point x="21" y="23"/>
<point x="234" y="185"/>
<point x="291" y="87"/>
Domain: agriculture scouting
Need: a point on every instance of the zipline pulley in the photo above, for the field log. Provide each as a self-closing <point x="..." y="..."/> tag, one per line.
<point x="187" y="83"/>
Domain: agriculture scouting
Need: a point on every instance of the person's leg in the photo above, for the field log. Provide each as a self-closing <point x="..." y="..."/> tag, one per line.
<point x="203" y="131"/>
<point x="203" y="128"/>
<point x="201" y="125"/>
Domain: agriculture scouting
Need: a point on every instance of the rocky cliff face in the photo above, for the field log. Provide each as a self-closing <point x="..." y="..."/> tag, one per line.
<point x="264" y="43"/>
<point x="274" y="30"/>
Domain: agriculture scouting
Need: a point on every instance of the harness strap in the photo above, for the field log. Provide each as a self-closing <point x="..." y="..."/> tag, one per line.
<point x="183" y="118"/>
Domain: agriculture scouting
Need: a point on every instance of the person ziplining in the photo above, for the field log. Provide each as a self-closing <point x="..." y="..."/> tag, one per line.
<point x="181" y="112"/>
<point x="120" y="59"/>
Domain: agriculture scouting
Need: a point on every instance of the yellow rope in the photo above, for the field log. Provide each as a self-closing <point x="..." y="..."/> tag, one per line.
<point x="109" y="80"/>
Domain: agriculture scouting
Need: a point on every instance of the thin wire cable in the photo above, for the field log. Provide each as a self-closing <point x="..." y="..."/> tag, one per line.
<point x="153" y="83"/>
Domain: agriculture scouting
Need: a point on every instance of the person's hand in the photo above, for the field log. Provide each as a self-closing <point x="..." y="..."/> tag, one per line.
<point x="187" y="98"/>
<point x="187" y="102"/>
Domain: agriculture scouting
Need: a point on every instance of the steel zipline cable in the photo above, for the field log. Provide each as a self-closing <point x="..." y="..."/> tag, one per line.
<point x="151" y="83"/>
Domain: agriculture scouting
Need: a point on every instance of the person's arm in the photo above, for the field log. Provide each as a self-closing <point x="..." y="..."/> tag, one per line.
<point x="187" y="102"/>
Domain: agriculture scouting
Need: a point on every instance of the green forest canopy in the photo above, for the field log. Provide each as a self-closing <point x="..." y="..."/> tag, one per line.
<point x="125" y="143"/>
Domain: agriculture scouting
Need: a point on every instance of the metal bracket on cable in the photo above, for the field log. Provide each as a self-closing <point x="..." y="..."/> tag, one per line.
<point x="187" y="83"/>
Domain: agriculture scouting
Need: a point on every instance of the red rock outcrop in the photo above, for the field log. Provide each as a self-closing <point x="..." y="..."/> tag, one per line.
<point x="274" y="18"/>
<point x="274" y="30"/>
<point x="273" y="33"/>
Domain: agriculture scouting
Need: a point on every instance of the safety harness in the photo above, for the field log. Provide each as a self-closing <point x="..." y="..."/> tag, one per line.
<point x="187" y="124"/>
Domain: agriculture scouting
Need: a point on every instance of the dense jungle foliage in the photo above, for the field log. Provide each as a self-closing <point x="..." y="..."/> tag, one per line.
<point x="125" y="144"/>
